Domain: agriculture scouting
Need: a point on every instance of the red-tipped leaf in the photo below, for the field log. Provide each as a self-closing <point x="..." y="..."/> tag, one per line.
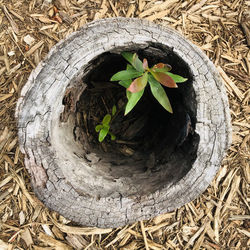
<point x="139" y="83"/>
<point x="167" y="67"/>
<point x="164" y="79"/>
<point x="145" y="64"/>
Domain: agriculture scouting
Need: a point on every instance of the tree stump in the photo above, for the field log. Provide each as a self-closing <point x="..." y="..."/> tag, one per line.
<point x="94" y="188"/>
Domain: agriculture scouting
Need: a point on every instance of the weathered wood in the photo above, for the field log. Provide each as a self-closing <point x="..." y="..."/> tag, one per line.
<point x="88" y="194"/>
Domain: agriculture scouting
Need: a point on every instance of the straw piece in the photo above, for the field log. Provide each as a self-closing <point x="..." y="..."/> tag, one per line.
<point x="144" y="235"/>
<point x="240" y="217"/>
<point x="247" y="233"/>
<point x="196" y="7"/>
<point x="195" y="236"/>
<point x="16" y="15"/>
<point x="217" y="215"/>
<point x="125" y="239"/>
<point x="157" y="7"/>
<point x="246" y="30"/>
<point x="12" y="22"/>
<point x="141" y="4"/>
<point x="234" y="188"/>
<point x="80" y="230"/>
<point x="151" y="244"/>
<point x="119" y="235"/>
<point x="21" y="183"/>
<point x="48" y="240"/>
<point x="159" y="226"/>
<point x="158" y="219"/>
<point x="4" y="97"/>
<point x="158" y="15"/>
<point x="131" y="10"/>
<point x="230" y="83"/>
<point x="113" y="8"/>
<point x="26" y="236"/>
<point x="34" y="48"/>
<point x="103" y="10"/>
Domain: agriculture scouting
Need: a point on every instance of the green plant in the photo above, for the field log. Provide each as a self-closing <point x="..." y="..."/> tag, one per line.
<point x="138" y="74"/>
<point x="104" y="127"/>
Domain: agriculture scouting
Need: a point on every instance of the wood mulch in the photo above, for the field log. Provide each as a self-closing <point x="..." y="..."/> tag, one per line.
<point x="219" y="218"/>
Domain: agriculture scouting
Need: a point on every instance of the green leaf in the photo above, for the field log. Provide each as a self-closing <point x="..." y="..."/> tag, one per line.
<point x="128" y="94"/>
<point x="139" y="83"/>
<point x="125" y="83"/>
<point x="106" y="119"/>
<point x="113" y="110"/>
<point x="113" y="137"/>
<point x="137" y="63"/>
<point x="176" y="78"/>
<point x="125" y="75"/>
<point x="132" y="101"/>
<point x="133" y="60"/>
<point x="103" y="133"/>
<point x="129" y="67"/>
<point x="159" y="93"/>
<point x="106" y="126"/>
<point x="164" y="79"/>
<point x="128" y="56"/>
<point x="98" y="128"/>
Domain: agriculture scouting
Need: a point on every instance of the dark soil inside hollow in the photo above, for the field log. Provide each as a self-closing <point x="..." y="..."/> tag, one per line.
<point x="148" y="131"/>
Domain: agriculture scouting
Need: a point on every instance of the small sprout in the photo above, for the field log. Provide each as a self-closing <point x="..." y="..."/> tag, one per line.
<point x="106" y="120"/>
<point x="98" y="128"/>
<point x="135" y="79"/>
<point x="138" y="74"/>
<point x="103" y="133"/>
<point x="104" y="127"/>
<point x="113" y="137"/>
<point x="113" y="110"/>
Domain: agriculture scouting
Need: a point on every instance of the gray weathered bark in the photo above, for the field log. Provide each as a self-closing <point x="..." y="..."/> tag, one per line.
<point x="82" y="191"/>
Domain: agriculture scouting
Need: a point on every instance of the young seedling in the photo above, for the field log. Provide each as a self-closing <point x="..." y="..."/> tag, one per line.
<point x="138" y="74"/>
<point x="104" y="127"/>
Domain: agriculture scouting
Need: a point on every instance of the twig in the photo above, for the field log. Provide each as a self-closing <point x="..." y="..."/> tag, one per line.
<point x="12" y="22"/>
<point x="31" y="63"/>
<point x="106" y="107"/>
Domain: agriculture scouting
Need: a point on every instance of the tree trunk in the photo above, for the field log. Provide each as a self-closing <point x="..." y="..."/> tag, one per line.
<point x="85" y="186"/>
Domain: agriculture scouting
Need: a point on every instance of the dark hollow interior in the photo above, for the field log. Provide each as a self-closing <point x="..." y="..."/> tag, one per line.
<point x="150" y="142"/>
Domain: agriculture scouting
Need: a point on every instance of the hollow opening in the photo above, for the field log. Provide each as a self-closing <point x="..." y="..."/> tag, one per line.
<point x="153" y="148"/>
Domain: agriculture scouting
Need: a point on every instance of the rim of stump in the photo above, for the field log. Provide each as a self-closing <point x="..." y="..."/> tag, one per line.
<point x="38" y="127"/>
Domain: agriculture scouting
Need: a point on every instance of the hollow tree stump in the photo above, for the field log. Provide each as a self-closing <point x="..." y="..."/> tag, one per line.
<point x="86" y="186"/>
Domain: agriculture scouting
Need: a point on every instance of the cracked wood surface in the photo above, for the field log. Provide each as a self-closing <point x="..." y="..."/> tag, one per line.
<point x="65" y="182"/>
